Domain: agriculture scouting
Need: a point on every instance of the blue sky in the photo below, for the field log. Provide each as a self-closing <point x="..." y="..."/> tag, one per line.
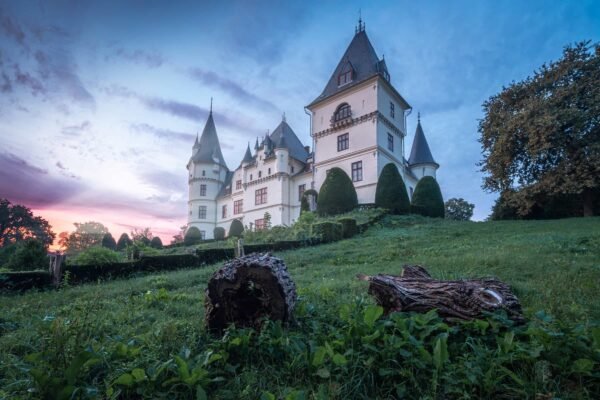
<point x="100" y="101"/>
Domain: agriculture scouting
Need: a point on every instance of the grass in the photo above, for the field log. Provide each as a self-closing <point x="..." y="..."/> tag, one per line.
<point x="111" y="339"/>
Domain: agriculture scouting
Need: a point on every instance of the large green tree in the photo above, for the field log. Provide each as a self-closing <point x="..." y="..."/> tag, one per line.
<point x="459" y="209"/>
<point x="541" y="137"/>
<point x="337" y="194"/>
<point x="391" y="191"/>
<point x="86" y="234"/>
<point x="17" y="223"/>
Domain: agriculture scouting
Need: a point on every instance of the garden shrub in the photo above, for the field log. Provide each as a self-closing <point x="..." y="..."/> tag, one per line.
<point x="156" y="243"/>
<point x="304" y="207"/>
<point x="349" y="227"/>
<point x="123" y="242"/>
<point x="327" y="231"/>
<point x="108" y="241"/>
<point x="28" y="255"/>
<point x="337" y="194"/>
<point x="219" y="233"/>
<point x="236" y="229"/>
<point x="192" y="236"/>
<point x="427" y="198"/>
<point x="96" y="255"/>
<point x="391" y="191"/>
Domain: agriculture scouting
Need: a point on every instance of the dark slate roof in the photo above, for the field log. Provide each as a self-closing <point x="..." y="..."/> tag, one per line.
<point x="248" y="156"/>
<point x="291" y="141"/>
<point x="226" y="188"/>
<point x="209" y="149"/>
<point x="420" y="153"/>
<point x="361" y="55"/>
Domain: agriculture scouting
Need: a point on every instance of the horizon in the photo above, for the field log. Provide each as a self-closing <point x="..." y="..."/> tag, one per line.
<point x="100" y="103"/>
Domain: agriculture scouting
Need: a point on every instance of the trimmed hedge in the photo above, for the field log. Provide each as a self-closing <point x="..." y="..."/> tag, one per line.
<point x="427" y="198"/>
<point x="349" y="227"/>
<point x="327" y="231"/>
<point x="192" y="236"/>
<point x="337" y="194"/>
<point x="123" y="242"/>
<point x="236" y="228"/>
<point x="24" y="280"/>
<point x="156" y="243"/>
<point x="391" y="191"/>
<point x="219" y="233"/>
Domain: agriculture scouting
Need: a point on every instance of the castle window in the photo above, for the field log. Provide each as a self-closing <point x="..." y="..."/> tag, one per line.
<point x="357" y="171"/>
<point x="343" y="142"/>
<point x="301" y="190"/>
<point x="345" y="76"/>
<point x="269" y="171"/>
<point x="250" y="176"/>
<point x="392" y="110"/>
<point x="259" y="224"/>
<point x="202" y="212"/>
<point x="259" y="174"/>
<point x="342" y="112"/>
<point x="390" y="142"/>
<point x="238" y="206"/>
<point x="292" y="169"/>
<point x="202" y="190"/>
<point x="203" y="173"/>
<point x="202" y="235"/>
<point x="238" y="184"/>
<point x="224" y="211"/>
<point x="260" y="196"/>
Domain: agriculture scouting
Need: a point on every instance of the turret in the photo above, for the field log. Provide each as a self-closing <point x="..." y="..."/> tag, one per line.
<point x="282" y="154"/>
<point x="421" y="161"/>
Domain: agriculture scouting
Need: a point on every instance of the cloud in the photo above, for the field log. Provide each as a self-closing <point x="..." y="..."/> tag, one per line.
<point x="12" y="29"/>
<point x="27" y="80"/>
<point x="161" y="133"/>
<point x="76" y="130"/>
<point x="149" y="59"/>
<point x="211" y="78"/>
<point x="165" y="181"/>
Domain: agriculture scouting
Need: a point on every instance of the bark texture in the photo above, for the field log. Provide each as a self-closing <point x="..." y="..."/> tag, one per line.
<point x="247" y="290"/>
<point x="415" y="290"/>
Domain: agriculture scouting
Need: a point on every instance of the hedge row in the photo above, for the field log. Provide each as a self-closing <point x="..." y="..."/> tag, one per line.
<point x="20" y="281"/>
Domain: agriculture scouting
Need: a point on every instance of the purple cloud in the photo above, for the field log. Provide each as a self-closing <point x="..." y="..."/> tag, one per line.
<point x="151" y="60"/>
<point x="27" y="80"/>
<point x="165" y="181"/>
<point x="161" y="133"/>
<point x="76" y="130"/>
<point x="12" y="29"/>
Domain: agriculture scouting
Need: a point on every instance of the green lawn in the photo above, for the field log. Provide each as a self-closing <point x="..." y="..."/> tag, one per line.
<point x="136" y="338"/>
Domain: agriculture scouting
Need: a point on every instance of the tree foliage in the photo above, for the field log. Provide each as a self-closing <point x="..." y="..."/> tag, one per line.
<point x="427" y="198"/>
<point x="27" y="255"/>
<point x="108" y="241"/>
<point x="156" y="243"/>
<point x="391" y="191"/>
<point x="541" y="137"/>
<point x="85" y="235"/>
<point x="142" y="235"/>
<point x="192" y="236"/>
<point x="337" y="194"/>
<point x="18" y="223"/>
<point x="219" y="233"/>
<point x="96" y="255"/>
<point x="236" y="229"/>
<point x="459" y="209"/>
<point x="123" y="242"/>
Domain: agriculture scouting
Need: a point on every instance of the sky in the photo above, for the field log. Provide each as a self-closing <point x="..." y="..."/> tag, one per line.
<point x="100" y="101"/>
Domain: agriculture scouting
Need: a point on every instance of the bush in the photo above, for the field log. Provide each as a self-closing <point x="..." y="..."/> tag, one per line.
<point x="349" y="227"/>
<point x="192" y="236"/>
<point x="219" y="233"/>
<point x="236" y="229"/>
<point x="427" y="199"/>
<point x="156" y="243"/>
<point x="123" y="242"/>
<point x="391" y="191"/>
<point x="327" y="231"/>
<point x="96" y="256"/>
<point x="459" y="209"/>
<point x="108" y="241"/>
<point x="304" y="207"/>
<point x="28" y="255"/>
<point x="337" y="194"/>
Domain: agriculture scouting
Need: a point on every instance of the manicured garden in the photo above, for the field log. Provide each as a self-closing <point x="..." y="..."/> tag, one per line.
<point x="144" y="337"/>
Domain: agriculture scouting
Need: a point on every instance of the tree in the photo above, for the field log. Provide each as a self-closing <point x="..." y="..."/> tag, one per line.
<point x="123" y="242"/>
<point x="192" y="236"/>
<point x="179" y="237"/>
<point x="427" y="198"/>
<point x="541" y="137"/>
<point x="156" y="243"/>
<point x="86" y="234"/>
<point x="219" y="233"/>
<point x="267" y="219"/>
<point x="391" y="191"/>
<point x="236" y="229"/>
<point x="337" y="194"/>
<point x="96" y="256"/>
<point x="142" y="235"/>
<point x="108" y="241"/>
<point x="18" y="223"/>
<point x="29" y="255"/>
<point x="459" y="209"/>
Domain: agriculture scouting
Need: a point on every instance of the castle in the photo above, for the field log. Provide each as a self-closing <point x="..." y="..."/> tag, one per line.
<point x="358" y="124"/>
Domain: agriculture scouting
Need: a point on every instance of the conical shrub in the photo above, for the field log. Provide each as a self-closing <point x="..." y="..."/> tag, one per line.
<point x="337" y="194"/>
<point x="427" y="198"/>
<point x="391" y="191"/>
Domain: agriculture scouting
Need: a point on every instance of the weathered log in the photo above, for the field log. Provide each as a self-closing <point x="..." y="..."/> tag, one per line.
<point x="415" y="290"/>
<point x="247" y="290"/>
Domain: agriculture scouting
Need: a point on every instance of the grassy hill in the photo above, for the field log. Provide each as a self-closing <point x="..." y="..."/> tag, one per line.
<point x="144" y="337"/>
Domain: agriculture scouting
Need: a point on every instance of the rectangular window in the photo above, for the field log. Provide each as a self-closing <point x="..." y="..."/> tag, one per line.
<point x="269" y="171"/>
<point x="390" y="142"/>
<point x="301" y="190"/>
<point x="259" y="224"/>
<point x="224" y="211"/>
<point x="238" y="206"/>
<point x="238" y="184"/>
<point x="357" y="171"/>
<point x="202" y="235"/>
<point x="202" y="212"/>
<point x="260" y="196"/>
<point x="202" y="190"/>
<point x="343" y="141"/>
<point x="392" y="110"/>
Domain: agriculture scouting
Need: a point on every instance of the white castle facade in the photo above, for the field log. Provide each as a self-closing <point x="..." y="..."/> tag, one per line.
<point x="358" y="124"/>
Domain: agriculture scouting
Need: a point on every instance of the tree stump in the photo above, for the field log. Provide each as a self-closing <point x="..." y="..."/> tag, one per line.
<point x="247" y="290"/>
<point x="415" y="290"/>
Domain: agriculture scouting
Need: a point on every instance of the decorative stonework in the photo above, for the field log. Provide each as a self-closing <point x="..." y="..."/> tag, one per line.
<point x="348" y="122"/>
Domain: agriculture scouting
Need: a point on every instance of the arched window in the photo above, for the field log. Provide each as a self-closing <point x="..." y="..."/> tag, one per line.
<point x="346" y="74"/>
<point x="342" y="112"/>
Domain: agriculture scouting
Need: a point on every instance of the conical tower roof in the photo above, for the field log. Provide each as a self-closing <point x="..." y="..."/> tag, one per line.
<point x="420" y="153"/>
<point x="248" y="156"/>
<point x="284" y="133"/>
<point x="209" y="149"/>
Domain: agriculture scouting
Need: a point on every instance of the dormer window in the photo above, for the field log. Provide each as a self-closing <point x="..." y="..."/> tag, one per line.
<point x="343" y="111"/>
<point x="346" y="75"/>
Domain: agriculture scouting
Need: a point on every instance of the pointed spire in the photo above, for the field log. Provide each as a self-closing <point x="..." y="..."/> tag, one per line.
<point x="256" y="145"/>
<point x="209" y="148"/>
<point x="420" y="153"/>
<point x="283" y="117"/>
<point x="211" y="105"/>
<point x="361" y="25"/>
<point x="196" y="143"/>
<point x="419" y="117"/>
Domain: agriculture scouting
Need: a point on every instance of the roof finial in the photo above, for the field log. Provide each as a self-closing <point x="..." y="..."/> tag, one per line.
<point x="211" y="105"/>
<point x="283" y="117"/>
<point x="419" y="117"/>
<point x="361" y="24"/>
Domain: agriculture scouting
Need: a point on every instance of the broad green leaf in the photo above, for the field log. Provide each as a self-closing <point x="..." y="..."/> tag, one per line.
<point x="440" y="351"/>
<point x="184" y="372"/>
<point x="200" y="393"/>
<point x="583" y="366"/>
<point x="319" y="357"/>
<point x="296" y="395"/>
<point x="138" y="374"/>
<point x="339" y="359"/>
<point x="125" y="379"/>
<point x="323" y="373"/>
<point x="372" y="314"/>
<point x="267" y="396"/>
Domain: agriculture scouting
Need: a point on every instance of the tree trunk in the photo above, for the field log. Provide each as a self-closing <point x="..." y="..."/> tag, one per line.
<point x="588" y="203"/>
<point x="247" y="290"/>
<point x="415" y="290"/>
